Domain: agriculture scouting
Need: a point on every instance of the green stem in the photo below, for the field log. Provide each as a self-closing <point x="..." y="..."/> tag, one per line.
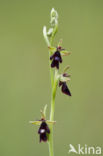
<point x="51" y="71"/>
<point x="53" y="96"/>
<point x="54" y="80"/>
<point x="52" y="113"/>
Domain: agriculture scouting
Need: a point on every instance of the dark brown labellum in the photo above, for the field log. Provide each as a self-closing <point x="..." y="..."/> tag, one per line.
<point x="43" y="131"/>
<point x="56" y="59"/>
<point x="64" y="88"/>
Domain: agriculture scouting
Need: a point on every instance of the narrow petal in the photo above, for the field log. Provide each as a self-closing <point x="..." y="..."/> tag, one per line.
<point x="50" y="122"/>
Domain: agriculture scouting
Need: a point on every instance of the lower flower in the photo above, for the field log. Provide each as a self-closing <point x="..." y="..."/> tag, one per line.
<point x="43" y="131"/>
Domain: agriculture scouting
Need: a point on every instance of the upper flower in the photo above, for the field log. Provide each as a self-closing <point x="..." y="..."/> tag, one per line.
<point x="56" y="58"/>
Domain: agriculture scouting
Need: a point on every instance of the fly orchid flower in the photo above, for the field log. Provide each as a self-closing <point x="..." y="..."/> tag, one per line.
<point x="43" y="130"/>
<point x="62" y="83"/>
<point x="64" y="88"/>
<point x="56" y="57"/>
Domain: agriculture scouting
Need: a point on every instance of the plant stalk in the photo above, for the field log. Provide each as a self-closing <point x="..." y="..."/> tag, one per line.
<point x="54" y="81"/>
<point x="54" y="87"/>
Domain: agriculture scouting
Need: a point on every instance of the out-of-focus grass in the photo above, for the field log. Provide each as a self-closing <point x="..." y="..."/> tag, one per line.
<point x="24" y="75"/>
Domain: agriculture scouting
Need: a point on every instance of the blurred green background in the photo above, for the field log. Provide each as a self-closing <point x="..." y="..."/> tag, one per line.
<point x="25" y="82"/>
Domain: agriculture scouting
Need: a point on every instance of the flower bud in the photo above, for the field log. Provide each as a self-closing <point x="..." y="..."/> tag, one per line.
<point x="49" y="33"/>
<point x="54" y="17"/>
<point x="54" y="13"/>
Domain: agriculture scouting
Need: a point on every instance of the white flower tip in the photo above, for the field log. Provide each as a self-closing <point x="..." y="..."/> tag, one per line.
<point x="54" y="13"/>
<point x="52" y="10"/>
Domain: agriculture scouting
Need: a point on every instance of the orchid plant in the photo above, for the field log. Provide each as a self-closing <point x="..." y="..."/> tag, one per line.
<point x="56" y="54"/>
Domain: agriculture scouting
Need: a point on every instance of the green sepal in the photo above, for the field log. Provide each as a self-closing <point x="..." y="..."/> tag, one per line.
<point x="65" y="52"/>
<point x="52" y="49"/>
<point x="38" y="122"/>
<point x="50" y="122"/>
<point x="64" y="79"/>
<point x="35" y="122"/>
